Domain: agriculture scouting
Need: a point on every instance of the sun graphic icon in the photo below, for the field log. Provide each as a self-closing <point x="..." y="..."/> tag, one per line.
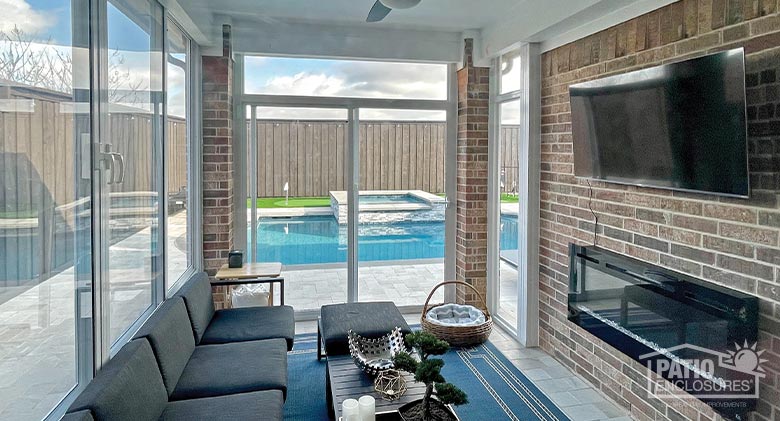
<point x="746" y="358"/>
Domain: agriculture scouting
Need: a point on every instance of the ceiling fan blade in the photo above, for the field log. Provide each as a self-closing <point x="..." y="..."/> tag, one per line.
<point x="378" y="12"/>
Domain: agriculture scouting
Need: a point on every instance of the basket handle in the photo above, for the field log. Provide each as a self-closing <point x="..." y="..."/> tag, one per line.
<point x="433" y="291"/>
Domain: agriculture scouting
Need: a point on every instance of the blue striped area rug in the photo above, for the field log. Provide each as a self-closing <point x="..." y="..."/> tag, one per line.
<point x="497" y="390"/>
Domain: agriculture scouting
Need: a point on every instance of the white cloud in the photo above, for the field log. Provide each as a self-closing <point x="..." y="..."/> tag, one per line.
<point x="19" y="14"/>
<point x="352" y="84"/>
<point x="307" y="84"/>
<point x="352" y="79"/>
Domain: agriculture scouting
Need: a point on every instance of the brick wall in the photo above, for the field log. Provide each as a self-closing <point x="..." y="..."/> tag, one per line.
<point x="732" y="242"/>
<point x="218" y="162"/>
<point x="471" y="247"/>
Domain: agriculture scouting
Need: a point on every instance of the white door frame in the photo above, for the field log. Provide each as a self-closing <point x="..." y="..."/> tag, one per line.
<point x="527" y="323"/>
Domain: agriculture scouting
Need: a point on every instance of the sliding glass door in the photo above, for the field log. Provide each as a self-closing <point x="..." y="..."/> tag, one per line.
<point x="130" y="148"/>
<point x="82" y="215"/>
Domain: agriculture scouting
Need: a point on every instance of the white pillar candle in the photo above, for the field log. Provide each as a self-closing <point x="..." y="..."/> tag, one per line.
<point x="349" y="410"/>
<point x="367" y="408"/>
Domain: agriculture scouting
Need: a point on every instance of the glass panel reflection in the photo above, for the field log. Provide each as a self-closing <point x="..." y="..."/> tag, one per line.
<point x="45" y="216"/>
<point x="134" y="128"/>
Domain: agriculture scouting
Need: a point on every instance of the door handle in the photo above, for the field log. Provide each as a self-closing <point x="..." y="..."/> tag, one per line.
<point x="107" y="159"/>
<point x="119" y="177"/>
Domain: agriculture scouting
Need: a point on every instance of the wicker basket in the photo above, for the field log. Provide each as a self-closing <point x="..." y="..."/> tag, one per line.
<point x="458" y="335"/>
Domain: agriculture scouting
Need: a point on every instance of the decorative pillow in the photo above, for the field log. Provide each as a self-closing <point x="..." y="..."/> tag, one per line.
<point x="455" y="315"/>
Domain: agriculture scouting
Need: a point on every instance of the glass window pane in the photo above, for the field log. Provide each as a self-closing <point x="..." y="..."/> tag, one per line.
<point x="133" y="125"/>
<point x="401" y="205"/>
<point x="345" y="78"/>
<point x="177" y="157"/>
<point x="301" y="175"/>
<point x="509" y="137"/>
<point x="510" y="72"/>
<point x="45" y="216"/>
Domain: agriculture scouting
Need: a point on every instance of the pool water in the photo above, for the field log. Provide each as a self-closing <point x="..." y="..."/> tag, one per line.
<point x="388" y="198"/>
<point x="319" y="239"/>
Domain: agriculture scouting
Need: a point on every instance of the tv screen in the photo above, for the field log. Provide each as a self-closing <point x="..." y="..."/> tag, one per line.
<point x="677" y="126"/>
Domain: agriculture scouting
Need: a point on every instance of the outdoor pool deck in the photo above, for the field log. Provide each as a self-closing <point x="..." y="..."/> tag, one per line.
<point x="406" y="284"/>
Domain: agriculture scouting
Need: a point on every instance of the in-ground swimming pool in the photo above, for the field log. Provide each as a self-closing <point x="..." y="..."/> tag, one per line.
<point x="319" y="239"/>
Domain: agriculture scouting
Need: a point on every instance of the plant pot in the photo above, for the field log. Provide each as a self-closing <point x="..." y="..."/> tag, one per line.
<point x="413" y="411"/>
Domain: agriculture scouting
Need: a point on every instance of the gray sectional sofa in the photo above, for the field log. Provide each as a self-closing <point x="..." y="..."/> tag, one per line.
<point x="190" y="361"/>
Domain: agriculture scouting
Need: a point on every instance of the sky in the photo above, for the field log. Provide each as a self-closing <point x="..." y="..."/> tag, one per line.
<point x="346" y="78"/>
<point x="44" y="19"/>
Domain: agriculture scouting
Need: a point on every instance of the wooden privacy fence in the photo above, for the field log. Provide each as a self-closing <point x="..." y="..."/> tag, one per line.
<point x="38" y="137"/>
<point x="310" y="155"/>
<point x="41" y="148"/>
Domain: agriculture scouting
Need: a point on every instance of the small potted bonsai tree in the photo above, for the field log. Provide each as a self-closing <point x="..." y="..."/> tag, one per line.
<point x="438" y="393"/>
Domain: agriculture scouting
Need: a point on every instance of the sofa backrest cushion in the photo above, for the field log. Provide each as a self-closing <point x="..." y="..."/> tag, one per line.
<point x="170" y="334"/>
<point x="200" y="304"/>
<point x="128" y="387"/>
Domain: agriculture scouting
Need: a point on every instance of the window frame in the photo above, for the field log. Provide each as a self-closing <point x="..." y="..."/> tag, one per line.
<point x="353" y="106"/>
<point x="526" y="327"/>
<point x="193" y="160"/>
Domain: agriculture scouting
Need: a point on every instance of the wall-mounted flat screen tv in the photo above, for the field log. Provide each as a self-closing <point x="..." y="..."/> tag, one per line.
<point x="677" y="126"/>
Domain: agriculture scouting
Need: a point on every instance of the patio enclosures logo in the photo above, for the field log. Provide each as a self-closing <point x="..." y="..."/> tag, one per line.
<point x="713" y="376"/>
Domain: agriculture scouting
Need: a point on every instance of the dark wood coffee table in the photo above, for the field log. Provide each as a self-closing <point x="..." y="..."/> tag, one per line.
<point x="346" y="380"/>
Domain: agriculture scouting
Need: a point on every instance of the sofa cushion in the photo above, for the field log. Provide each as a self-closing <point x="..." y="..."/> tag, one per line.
<point x="238" y="367"/>
<point x="200" y="304"/>
<point x="83" y="415"/>
<point x="370" y="320"/>
<point x="128" y="387"/>
<point x="265" y="405"/>
<point x="170" y="334"/>
<point x="250" y="324"/>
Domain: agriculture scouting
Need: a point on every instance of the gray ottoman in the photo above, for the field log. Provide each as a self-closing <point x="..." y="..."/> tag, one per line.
<point x="370" y="320"/>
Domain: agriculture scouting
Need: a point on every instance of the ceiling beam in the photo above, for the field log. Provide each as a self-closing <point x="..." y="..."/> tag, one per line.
<point x="305" y="39"/>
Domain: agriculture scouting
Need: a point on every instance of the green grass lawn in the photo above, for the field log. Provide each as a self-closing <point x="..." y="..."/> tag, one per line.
<point x="22" y="214"/>
<point x="295" y="202"/>
<point x="505" y="197"/>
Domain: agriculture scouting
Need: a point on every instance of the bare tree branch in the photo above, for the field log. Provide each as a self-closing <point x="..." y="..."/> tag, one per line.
<point x="27" y="60"/>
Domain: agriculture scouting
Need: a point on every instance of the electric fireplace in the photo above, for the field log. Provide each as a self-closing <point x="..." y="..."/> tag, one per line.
<point x="662" y="319"/>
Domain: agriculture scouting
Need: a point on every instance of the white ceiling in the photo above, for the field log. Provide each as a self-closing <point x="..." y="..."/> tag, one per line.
<point x="431" y="31"/>
<point x="441" y="15"/>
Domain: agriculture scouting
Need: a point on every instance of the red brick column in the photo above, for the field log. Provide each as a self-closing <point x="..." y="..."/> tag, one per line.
<point x="218" y="161"/>
<point x="472" y="174"/>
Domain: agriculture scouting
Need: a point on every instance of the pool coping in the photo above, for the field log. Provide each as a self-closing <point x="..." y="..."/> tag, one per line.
<point x="340" y="197"/>
<point x="290" y="212"/>
<point x="363" y="263"/>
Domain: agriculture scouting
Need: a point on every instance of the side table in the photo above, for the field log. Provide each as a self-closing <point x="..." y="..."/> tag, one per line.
<point x="253" y="273"/>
